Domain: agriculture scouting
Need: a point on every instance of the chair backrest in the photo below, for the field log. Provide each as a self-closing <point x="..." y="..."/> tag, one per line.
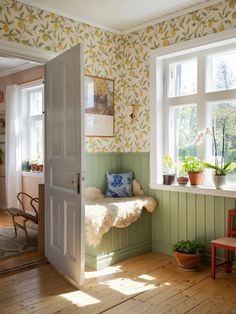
<point x="230" y="228"/>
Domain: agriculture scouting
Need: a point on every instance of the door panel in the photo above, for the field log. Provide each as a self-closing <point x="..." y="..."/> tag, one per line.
<point x="64" y="158"/>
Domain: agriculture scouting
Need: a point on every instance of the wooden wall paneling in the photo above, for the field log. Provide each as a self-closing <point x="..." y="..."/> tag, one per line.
<point x="200" y="219"/>
<point x="174" y="217"/>
<point x="166" y="218"/>
<point x="210" y="221"/>
<point x="182" y="216"/>
<point x="191" y="216"/>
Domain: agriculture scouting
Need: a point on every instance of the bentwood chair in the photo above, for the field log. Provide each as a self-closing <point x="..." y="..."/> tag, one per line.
<point x="228" y="244"/>
<point x="21" y="217"/>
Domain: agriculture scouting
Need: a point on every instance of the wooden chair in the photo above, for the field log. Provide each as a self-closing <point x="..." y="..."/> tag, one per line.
<point x="30" y="215"/>
<point x="228" y="244"/>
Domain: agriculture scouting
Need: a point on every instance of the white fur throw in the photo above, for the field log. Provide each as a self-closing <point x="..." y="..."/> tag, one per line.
<point x="137" y="189"/>
<point x="101" y="215"/>
<point x="93" y="194"/>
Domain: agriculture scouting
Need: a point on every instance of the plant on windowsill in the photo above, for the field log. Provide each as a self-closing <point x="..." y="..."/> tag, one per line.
<point x="188" y="254"/>
<point x="221" y="169"/>
<point x="194" y="167"/>
<point x="169" y="173"/>
<point x="182" y="177"/>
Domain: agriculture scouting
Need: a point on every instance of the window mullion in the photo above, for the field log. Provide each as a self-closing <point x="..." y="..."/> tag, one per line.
<point x="201" y="103"/>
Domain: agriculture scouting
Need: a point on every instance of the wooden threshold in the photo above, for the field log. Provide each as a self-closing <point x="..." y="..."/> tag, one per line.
<point x="22" y="262"/>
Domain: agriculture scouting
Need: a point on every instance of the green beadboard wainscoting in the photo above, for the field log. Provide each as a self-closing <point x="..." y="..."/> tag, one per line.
<point x="119" y="243"/>
<point x="179" y="215"/>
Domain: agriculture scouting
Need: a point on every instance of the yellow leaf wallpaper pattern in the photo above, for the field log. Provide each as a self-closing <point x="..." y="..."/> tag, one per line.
<point x="124" y="58"/>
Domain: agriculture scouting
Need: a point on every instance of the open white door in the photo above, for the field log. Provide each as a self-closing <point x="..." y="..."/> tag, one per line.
<point x="64" y="160"/>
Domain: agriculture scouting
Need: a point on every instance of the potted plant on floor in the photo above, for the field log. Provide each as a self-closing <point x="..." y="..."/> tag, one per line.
<point x="188" y="254"/>
<point x="169" y="173"/>
<point x="194" y="167"/>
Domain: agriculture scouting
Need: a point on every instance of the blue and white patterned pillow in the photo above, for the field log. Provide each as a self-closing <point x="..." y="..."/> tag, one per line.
<point x="119" y="184"/>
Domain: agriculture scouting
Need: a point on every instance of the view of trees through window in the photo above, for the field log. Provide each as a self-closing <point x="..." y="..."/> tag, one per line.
<point x="220" y="77"/>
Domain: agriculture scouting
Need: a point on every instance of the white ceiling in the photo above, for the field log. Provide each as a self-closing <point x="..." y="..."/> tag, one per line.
<point x="13" y="65"/>
<point x="119" y="15"/>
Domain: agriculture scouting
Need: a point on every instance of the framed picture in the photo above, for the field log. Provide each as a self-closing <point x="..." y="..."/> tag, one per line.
<point x="2" y="126"/>
<point x="99" y="106"/>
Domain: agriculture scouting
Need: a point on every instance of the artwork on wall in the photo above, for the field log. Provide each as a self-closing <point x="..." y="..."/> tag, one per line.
<point x="99" y="106"/>
<point x="2" y="126"/>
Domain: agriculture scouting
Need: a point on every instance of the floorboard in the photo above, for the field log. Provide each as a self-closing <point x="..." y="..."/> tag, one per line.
<point x="150" y="283"/>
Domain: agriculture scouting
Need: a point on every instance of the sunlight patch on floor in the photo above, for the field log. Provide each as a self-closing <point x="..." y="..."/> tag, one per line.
<point x="128" y="286"/>
<point x="102" y="272"/>
<point x="80" y="298"/>
<point x="146" y="277"/>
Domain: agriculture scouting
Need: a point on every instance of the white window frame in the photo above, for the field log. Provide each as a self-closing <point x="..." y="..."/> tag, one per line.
<point x="26" y="89"/>
<point x="159" y="117"/>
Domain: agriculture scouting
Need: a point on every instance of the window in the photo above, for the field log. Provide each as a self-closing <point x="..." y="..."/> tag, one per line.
<point x="197" y="91"/>
<point x="32" y="113"/>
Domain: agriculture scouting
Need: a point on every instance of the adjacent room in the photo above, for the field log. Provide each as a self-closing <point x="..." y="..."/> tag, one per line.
<point x="117" y="156"/>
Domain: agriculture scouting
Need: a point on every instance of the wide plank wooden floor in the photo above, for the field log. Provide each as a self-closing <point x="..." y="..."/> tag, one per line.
<point x="150" y="283"/>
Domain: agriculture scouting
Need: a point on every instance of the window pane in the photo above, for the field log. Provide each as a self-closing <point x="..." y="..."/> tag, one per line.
<point x="221" y="71"/>
<point x="36" y="103"/>
<point x="36" y="140"/>
<point x="183" y="131"/>
<point x="183" y="78"/>
<point x="225" y="113"/>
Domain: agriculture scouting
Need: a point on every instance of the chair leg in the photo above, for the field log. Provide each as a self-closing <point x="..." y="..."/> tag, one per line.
<point x="213" y="268"/>
<point x="227" y="261"/>
<point x="26" y="233"/>
<point x="14" y="224"/>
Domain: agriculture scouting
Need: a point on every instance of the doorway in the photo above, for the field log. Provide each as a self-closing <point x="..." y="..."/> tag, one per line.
<point x="64" y="155"/>
<point x="23" y="76"/>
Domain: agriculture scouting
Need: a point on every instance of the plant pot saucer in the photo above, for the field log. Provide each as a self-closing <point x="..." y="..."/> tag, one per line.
<point x="189" y="269"/>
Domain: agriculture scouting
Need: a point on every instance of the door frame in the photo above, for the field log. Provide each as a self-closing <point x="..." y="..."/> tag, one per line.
<point x="39" y="55"/>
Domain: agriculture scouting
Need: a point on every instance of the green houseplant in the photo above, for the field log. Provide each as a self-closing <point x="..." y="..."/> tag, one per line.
<point x="194" y="167"/>
<point x="169" y="173"/>
<point x="220" y="173"/>
<point x="182" y="177"/>
<point x="188" y="254"/>
<point x="221" y="168"/>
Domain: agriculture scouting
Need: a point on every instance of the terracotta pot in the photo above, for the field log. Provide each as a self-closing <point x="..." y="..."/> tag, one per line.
<point x="182" y="180"/>
<point x="195" y="178"/>
<point x="188" y="262"/>
<point x="168" y="179"/>
<point x="34" y="167"/>
<point x="40" y="167"/>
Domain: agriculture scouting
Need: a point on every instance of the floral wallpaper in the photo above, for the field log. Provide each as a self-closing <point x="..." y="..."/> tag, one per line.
<point x="103" y="51"/>
<point x="212" y="19"/>
<point x="124" y="58"/>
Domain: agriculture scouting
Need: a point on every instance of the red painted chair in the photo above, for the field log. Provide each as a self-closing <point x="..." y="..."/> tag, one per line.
<point x="228" y="244"/>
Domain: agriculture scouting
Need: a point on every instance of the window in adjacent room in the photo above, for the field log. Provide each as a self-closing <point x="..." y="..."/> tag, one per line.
<point x="33" y="132"/>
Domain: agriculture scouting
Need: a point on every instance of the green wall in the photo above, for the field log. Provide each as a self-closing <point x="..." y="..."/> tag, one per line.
<point x="179" y="215"/>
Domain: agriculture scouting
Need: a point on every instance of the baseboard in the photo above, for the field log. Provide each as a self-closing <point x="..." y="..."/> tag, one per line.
<point x="100" y="262"/>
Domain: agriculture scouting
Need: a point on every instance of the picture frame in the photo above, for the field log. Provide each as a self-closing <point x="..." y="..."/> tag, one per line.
<point x="99" y="106"/>
<point x="2" y="125"/>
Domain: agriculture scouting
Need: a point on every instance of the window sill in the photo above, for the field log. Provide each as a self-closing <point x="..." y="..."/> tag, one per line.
<point x="204" y="190"/>
<point x="32" y="174"/>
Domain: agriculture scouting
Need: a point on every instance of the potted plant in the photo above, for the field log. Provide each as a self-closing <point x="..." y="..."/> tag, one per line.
<point x="194" y="167"/>
<point x="182" y="177"/>
<point x="221" y="169"/>
<point x="169" y="173"/>
<point x="1" y="156"/>
<point x="188" y="254"/>
<point x="220" y="173"/>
